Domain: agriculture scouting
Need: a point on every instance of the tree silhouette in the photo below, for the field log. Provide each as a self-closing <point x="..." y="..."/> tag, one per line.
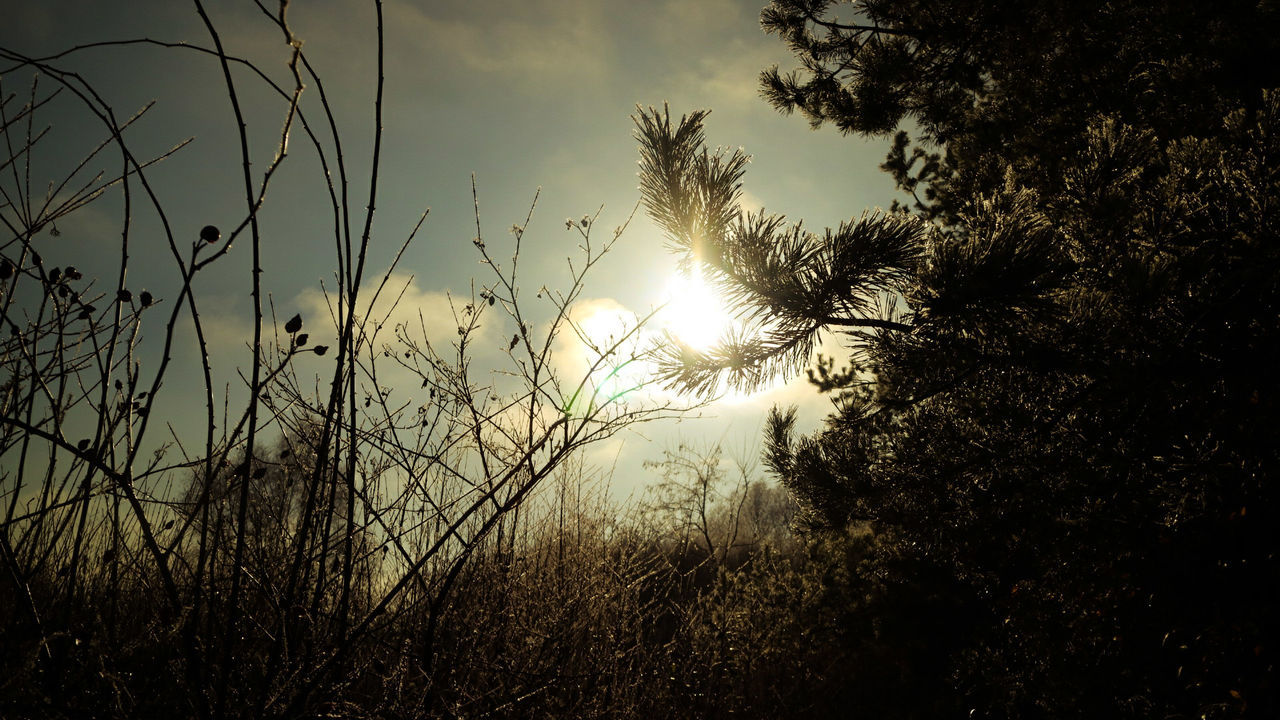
<point x="1057" y="419"/>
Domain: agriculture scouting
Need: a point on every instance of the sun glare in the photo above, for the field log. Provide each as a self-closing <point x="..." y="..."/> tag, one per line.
<point x="612" y="352"/>
<point x="694" y="312"/>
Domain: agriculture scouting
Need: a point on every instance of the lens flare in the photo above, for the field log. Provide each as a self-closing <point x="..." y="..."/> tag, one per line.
<point x="610" y="351"/>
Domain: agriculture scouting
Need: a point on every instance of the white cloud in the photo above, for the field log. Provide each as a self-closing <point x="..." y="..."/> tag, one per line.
<point x="582" y="357"/>
<point x="403" y="303"/>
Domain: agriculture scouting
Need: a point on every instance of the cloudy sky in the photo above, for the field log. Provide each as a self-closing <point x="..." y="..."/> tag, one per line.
<point x="525" y="95"/>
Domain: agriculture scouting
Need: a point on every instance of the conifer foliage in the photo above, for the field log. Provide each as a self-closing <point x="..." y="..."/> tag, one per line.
<point x="786" y="282"/>
<point x="1057" y="429"/>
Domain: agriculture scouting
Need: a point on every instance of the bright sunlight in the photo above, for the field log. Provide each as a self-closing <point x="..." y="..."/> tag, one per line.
<point x="694" y="312"/>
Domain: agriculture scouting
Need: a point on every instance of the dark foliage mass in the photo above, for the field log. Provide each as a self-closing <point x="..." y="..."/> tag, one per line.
<point x="1057" y="430"/>
<point x="1045" y="491"/>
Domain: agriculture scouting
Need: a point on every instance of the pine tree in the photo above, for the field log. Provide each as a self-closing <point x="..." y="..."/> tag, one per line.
<point x="1058" y="421"/>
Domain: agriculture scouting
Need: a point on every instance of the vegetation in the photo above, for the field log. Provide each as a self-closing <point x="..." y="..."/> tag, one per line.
<point x="372" y="519"/>
<point x="300" y="551"/>
<point x="1056" y="431"/>
<point x="1045" y="491"/>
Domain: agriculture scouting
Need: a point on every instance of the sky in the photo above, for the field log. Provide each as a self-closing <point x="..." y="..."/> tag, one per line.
<point x="530" y="97"/>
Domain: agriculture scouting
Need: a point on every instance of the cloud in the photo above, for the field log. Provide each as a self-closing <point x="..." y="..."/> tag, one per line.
<point x="581" y="356"/>
<point x="686" y="23"/>
<point x="730" y="78"/>
<point x="228" y="334"/>
<point x="750" y="202"/>
<point x="405" y="312"/>
<point x="532" y="44"/>
<point x="432" y="315"/>
<point x="715" y="53"/>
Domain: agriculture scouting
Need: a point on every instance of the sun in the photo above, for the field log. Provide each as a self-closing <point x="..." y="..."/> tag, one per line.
<point x="694" y="312"/>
